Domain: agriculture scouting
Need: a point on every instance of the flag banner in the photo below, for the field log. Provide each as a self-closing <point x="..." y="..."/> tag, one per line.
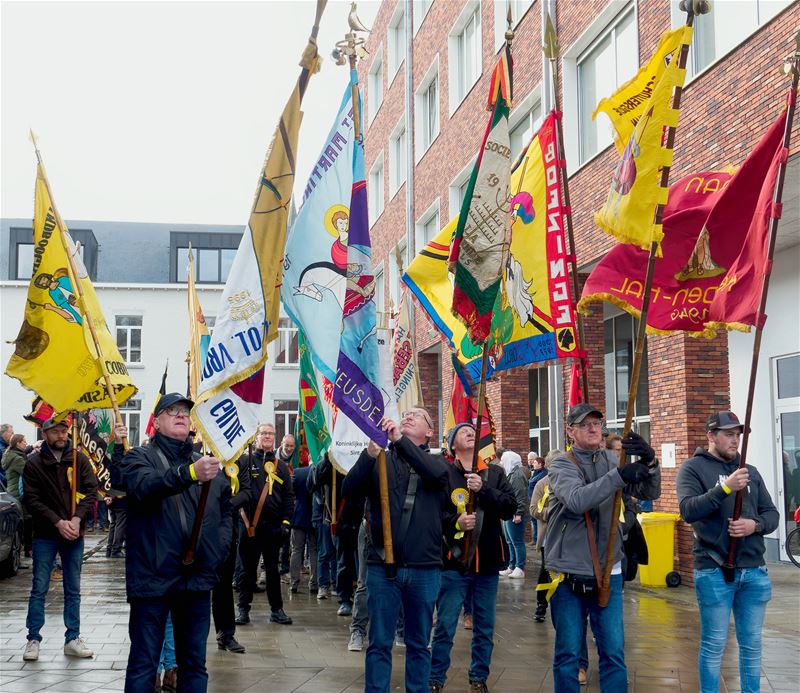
<point x="575" y="389"/>
<point x="628" y="104"/>
<point x="533" y="321"/>
<point x="40" y="412"/>
<point x="199" y="335"/>
<point x="94" y="446"/>
<point x="54" y="353"/>
<point x="229" y="395"/>
<point x="357" y="391"/>
<point x="482" y="232"/>
<point x="636" y="191"/>
<point x="316" y="436"/>
<point x="714" y="250"/>
<point x="463" y="409"/>
<point x="405" y="372"/>
<point x="150" y="429"/>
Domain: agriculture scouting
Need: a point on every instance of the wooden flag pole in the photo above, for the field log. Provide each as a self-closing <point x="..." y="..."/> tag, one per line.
<point x="793" y="65"/>
<point x="99" y="359"/>
<point x="690" y="7"/>
<point x="74" y="495"/>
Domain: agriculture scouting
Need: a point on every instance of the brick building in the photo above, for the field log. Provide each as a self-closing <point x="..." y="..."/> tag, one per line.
<point x="425" y="83"/>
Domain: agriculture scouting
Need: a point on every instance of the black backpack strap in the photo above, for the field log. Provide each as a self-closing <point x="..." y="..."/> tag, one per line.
<point x="408" y="509"/>
<point x="176" y="498"/>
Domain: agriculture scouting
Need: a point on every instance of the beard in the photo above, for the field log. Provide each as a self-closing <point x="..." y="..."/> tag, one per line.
<point x="57" y="445"/>
<point x="725" y="455"/>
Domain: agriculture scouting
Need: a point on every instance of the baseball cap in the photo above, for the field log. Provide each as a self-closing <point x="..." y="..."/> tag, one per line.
<point x="451" y="434"/>
<point x="723" y="420"/>
<point x="53" y="422"/>
<point x="580" y="411"/>
<point x="168" y="400"/>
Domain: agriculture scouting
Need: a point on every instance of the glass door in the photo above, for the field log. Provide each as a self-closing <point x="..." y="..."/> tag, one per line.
<point x="787" y="425"/>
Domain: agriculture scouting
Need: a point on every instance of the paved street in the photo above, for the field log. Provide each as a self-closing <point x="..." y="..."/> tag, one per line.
<point x="311" y="655"/>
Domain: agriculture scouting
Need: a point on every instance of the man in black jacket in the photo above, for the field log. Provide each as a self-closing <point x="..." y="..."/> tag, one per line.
<point x="163" y="481"/>
<point x="269" y="517"/>
<point x="706" y="489"/>
<point x="417" y="482"/>
<point x="488" y="554"/>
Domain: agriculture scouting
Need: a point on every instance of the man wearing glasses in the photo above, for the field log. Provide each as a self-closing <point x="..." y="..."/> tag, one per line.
<point x="582" y="485"/>
<point x="163" y="482"/>
<point x="417" y="482"/>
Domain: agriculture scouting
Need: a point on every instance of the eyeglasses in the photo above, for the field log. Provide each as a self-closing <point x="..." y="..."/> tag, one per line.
<point x="589" y="424"/>
<point x="176" y="410"/>
<point x="411" y="414"/>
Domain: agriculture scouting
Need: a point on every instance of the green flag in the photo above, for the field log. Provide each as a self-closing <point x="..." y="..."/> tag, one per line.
<point x="314" y="433"/>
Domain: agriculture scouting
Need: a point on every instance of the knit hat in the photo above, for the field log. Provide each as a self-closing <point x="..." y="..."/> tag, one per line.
<point x="451" y="435"/>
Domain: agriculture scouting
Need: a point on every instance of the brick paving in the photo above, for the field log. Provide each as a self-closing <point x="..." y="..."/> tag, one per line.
<point x="311" y="655"/>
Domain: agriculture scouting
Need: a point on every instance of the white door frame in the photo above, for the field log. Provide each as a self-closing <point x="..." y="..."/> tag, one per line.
<point x="781" y="406"/>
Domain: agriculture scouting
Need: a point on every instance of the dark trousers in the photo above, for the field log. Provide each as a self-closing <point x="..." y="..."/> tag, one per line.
<point x="116" y="530"/>
<point x="191" y="617"/>
<point x="222" y="597"/>
<point x="267" y="543"/>
<point x="346" y="541"/>
<point x="544" y="578"/>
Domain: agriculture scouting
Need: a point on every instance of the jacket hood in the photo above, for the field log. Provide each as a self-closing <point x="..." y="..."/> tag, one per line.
<point x="511" y="460"/>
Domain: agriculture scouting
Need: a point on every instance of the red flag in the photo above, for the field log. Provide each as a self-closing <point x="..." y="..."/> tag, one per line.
<point x="707" y="247"/>
<point x="150" y="430"/>
<point x="575" y="391"/>
<point x="464" y="410"/>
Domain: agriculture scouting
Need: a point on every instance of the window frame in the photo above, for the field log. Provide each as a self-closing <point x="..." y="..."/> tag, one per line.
<point x="287" y="417"/>
<point x="395" y="49"/>
<point x="457" y="91"/>
<point x="374" y="199"/>
<point x="288" y="334"/>
<point x="433" y="210"/>
<point x="375" y="97"/>
<point x="127" y="411"/>
<point x="519" y="10"/>
<point x="425" y="136"/>
<point x="523" y="111"/>
<point x="200" y="241"/>
<point x="454" y="190"/>
<point x="398" y="146"/>
<point x="128" y="329"/>
<point x="380" y="289"/>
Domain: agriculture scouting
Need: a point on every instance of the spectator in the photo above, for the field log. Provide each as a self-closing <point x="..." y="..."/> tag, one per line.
<point x="14" y="459"/>
<point x="514" y="529"/>
<point x="303" y="536"/>
<point x="6" y="431"/>
<point x="538" y="472"/>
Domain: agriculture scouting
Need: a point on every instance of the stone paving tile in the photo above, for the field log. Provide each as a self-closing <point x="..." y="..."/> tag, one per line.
<point x="662" y="628"/>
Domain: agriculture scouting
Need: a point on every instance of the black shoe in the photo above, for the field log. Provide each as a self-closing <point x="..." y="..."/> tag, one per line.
<point x="541" y="612"/>
<point x="280" y="616"/>
<point x="293" y="589"/>
<point x="231" y="645"/>
<point x="242" y="618"/>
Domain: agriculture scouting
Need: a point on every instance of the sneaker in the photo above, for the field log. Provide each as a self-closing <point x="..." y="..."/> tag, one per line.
<point x="323" y="593"/>
<point x="541" y="612"/>
<point x="517" y="574"/>
<point x="468" y="621"/>
<point x="280" y="616"/>
<point x="31" y="653"/>
<point x="582" y="677"/>
<point x="478" y="687"/>
<point x="506" y="572"/>
<point x="346" y="609"/>
<point x="356" y="643"/>
<point x="77" y="648"/>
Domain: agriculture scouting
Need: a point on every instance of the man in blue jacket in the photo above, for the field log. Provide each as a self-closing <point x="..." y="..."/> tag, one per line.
<point x="706" y="488"/>
<point x="163" y="482"/>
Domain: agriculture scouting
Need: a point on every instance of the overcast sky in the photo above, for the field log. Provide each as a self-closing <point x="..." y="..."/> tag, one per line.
<point x="157" y="111"/>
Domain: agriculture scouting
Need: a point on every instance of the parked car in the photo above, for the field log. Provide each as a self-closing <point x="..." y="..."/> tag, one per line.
<point x="10" y="533"/>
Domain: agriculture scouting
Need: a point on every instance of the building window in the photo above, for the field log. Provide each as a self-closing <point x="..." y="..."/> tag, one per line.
<point x="380" y="294"/>
<point x="396" y="40"/>
<point x="458" y="187"/>
<point x="539" y="409"/>
<point x="213" y="256"/>
<point x="426" y="109"/>
<point x="727" y="26"/>
<point x="24" y="255"/>
<point x="375" y="196"/>
<point x="375" y="85"/>
<point x="131" y="412"/>
<point x="397" y="157"/>
<point x="465" y="56"/>
<point x="395" y="273"/>
<point x="285" y="418"/>
<point x="607" y="63"/>
<point x="421" y="8"/>
<point x="525" y="125"/>
<point x="518" y="10"/>
<point x="428" y="226"/>
<point x="620" y="342"/>
<point x="288" y="354"/>
<point x="129" y="337"/>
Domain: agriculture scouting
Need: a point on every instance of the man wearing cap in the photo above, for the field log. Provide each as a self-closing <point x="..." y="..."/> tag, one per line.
<point x="583" y="483"/>
<point x="474" y="553"/>
<point x="47" y="495"/>
<point x="417" y="483"/>
<point x="163" y="484"/>
<point x="706" y="488"/>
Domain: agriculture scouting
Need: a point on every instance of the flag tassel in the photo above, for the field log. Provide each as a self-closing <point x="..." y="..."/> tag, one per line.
<point x="729" y="567"/>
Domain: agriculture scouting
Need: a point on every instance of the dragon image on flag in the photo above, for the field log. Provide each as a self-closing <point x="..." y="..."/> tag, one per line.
<point x="533" y="320"/>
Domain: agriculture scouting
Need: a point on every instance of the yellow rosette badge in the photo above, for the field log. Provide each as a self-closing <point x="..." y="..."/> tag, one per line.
<point x="232" y="472"/>
<point x="459" y="498"/>
<point x="272" y="477"/>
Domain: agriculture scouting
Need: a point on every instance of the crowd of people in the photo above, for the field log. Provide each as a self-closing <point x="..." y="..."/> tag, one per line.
<point x="195" y="539"/>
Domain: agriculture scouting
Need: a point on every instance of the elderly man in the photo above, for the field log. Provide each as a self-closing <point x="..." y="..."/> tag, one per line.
<point x="706" y="487"/>
<point x="583" y="483"/>
<point x="163" y="482"/>
<point x="495" y="501"/>
<point x="417" y="482"/>
<point x="48" y="489"/>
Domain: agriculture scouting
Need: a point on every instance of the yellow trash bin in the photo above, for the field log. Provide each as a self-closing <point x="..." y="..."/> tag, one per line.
<point x="659" y="533"/>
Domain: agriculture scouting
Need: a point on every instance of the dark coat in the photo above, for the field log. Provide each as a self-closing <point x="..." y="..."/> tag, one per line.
<point x="278" y="505"/>
<point x="47" y="494"/>
<point x="302" y="498"/>
<point x="349" y="510"/>
<point x="162" y="505"/>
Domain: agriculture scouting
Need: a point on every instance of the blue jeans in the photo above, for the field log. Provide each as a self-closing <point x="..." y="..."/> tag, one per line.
<point x="416" y="589"/>
<point x="747" y="597"/>
<point x="44" y="557"/>
<point x="451" y="596"/>
<point x="326" y="557"/>
<point x="191" y="618"/>
<point x="515" y="536"/>
<point x="569" y="611"/>
<point x="168" y="660"/>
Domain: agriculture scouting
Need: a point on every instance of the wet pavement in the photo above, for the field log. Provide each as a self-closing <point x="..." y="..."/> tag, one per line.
<point x="661" y="628"/>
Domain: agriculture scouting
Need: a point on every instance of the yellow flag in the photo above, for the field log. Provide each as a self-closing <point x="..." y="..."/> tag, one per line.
<point x="54" y="353"/>
<point x="629" y="211"/>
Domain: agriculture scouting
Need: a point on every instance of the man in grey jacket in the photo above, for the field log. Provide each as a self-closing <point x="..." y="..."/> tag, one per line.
<point x="583" y="483"/>
<point x="706" y="488"/>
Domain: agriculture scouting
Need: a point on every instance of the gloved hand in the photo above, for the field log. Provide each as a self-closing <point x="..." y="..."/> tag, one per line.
<point x="633" y="473"/>
<point x="634" y="444"/>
